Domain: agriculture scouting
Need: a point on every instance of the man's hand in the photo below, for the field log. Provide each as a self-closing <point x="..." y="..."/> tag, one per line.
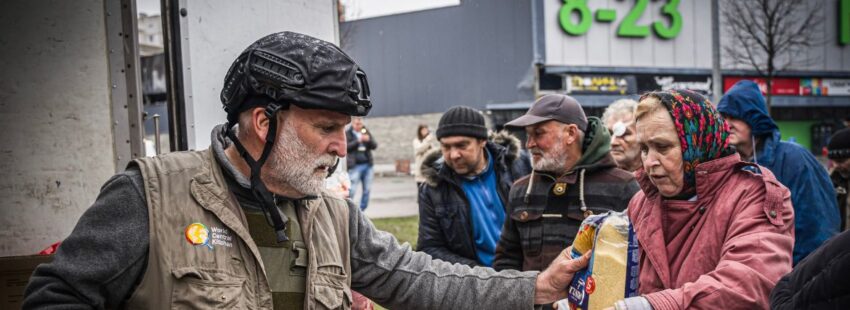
<point x="552" y="283"/>
<point x="364" y="138"/>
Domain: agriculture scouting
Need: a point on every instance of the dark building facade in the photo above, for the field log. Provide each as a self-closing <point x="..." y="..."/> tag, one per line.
<point x="476" y="53"/>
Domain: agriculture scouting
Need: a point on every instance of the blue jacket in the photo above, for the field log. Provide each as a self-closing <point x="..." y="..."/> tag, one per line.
<point x="816" y="217"/>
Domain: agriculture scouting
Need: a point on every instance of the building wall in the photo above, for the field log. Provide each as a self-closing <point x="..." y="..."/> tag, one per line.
<point x="601" y="46"/>
<point x="150" y="34"/>
<point x="56" y="138"/>
<point x="395" y="135"/>
<point x="425" y="62"/>
<point x="210" y="45"/>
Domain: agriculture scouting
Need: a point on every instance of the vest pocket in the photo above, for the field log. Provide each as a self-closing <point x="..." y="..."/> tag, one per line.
<point x="330" y="288"/>
<point x="206" y="289"/>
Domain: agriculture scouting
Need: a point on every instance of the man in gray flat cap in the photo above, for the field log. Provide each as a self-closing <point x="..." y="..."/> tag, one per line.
<point x="573" y="176"/>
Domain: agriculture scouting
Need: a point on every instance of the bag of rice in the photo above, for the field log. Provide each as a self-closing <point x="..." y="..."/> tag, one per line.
<point x="611" y="274"/>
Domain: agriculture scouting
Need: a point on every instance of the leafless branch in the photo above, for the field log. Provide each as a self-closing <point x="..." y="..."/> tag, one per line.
<point x="772" y="35"/>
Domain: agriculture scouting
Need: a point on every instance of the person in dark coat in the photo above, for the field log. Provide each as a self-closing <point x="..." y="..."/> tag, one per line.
<point x="818" y="282"/>
<point x="839" y="153"/>
<point x="360" y="144"/>
<point x="756" y="137"/>
<point x="467" y="181"/>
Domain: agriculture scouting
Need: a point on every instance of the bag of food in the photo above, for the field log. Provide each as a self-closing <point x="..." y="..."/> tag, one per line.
<point x="612" y="273"/>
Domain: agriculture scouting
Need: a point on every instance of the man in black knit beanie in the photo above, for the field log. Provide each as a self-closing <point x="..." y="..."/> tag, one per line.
<point x="462" y="202"/>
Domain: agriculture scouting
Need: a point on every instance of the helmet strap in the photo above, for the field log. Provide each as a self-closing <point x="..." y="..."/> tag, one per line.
<point x="261" y="193"/>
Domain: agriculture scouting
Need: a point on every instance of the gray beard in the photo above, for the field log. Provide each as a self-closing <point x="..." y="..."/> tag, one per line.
<point x="292" y="164"/>
<point x="554" y="161"/>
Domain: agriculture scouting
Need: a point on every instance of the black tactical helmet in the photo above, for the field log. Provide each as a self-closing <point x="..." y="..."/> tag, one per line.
<point x="292" y="68"/>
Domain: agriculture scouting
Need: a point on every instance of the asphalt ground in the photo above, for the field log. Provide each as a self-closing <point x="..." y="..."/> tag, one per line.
<point x="391" y="196"/>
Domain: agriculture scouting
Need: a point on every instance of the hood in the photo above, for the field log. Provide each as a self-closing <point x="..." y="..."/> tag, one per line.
<point x="504" y="146"/>
<point x="744" y="101"/>
<point x="596" y="147"/>
<point x="218" y="142"/>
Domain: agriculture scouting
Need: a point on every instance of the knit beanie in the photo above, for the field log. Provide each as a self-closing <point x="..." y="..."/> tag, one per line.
<point x="462" y="121"/>
<point x="839" y="145"/>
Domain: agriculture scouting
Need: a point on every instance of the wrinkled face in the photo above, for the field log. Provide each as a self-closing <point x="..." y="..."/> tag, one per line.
<point x="547" y="143"/>
<point x="624" y="147"/>
<point x="357" y="123"/>
<point x="740" y="132"/>
<point x="842" y="165"/>
<point x="465" y="155"/>
<point x="308" y="145"/>
<point x="661" y="152"/>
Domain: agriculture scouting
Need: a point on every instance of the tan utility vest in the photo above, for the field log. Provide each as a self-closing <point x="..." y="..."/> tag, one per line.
<point x="202" y="254"/>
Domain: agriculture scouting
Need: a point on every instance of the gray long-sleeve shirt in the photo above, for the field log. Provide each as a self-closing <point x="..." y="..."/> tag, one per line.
<point x="102" y="261"/>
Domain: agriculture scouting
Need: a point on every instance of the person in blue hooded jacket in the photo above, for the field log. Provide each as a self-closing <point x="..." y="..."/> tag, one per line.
<point x="756" y="137"/>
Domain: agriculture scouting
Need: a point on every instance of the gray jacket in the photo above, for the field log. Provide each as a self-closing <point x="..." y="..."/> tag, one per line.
<point x="101" y="262"/>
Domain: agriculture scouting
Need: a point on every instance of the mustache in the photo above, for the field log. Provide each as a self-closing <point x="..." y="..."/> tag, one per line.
<point x="326" y="160"/>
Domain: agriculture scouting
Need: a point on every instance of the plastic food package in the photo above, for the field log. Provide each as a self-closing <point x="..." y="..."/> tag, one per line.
<point x="612" y="273"/>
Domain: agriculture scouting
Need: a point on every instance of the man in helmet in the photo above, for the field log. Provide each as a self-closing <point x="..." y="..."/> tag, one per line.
<point x="245" y="224"/>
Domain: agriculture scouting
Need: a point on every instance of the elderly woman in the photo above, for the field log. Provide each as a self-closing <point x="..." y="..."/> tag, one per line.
<point x="714" y="232"/>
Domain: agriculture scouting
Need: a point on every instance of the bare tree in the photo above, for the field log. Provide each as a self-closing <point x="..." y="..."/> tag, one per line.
<point x="771" y="35"/>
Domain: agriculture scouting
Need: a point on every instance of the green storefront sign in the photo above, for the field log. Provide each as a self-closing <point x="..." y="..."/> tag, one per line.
<point x="844" y="22"/>
<point x="667" y="27"/>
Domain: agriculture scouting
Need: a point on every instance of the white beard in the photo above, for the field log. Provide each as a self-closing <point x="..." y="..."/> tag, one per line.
<point x="553" y="161"/>
<point x="292" y="164"/>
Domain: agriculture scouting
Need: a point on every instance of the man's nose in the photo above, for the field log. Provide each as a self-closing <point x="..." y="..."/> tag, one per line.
<point x="616" y="141"/>
<point x="338" y="145"/>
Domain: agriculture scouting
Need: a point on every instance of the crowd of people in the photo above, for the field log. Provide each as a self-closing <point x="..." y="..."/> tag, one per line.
<point x="725" y="214"/>
<point x="722" y="209"/>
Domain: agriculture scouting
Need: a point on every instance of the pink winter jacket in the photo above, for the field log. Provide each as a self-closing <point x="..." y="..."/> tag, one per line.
<point x="726" y="250"/>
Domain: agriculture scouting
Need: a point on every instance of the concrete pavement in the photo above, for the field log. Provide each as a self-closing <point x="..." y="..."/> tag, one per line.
<point x="391" y="196"/>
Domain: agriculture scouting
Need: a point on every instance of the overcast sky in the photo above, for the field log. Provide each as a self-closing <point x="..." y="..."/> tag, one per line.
<point x="355" y="9"/>
<point x="358" y="9"/>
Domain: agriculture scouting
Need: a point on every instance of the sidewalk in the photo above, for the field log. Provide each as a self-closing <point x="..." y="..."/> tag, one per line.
<point x="391" y="196"/>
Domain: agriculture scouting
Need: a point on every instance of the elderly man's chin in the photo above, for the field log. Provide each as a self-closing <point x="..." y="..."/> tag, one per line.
<point x="619" y="156"/>
<point x="546" y="165"/>
<point x="312" y="186"/>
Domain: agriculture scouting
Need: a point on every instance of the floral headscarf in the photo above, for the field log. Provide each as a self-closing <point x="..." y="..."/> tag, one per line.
<point x="703" y="134"/>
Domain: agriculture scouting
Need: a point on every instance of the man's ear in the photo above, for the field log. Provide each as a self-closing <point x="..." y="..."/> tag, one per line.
<point x="259" y="122"/>
<point x="572" y="133"/>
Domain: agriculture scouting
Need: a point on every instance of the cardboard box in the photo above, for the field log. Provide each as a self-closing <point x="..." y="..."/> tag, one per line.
<point x="15" y="272"/>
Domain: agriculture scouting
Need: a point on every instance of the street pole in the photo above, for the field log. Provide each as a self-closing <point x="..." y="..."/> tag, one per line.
<point x="716" y="77"/>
